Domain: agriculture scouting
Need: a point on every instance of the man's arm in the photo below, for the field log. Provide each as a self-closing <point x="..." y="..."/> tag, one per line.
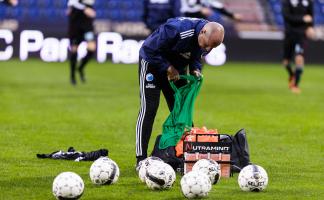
<point x="159" y="44"/>
<point x="310" y="31"/>
<point x="216" y="5"/>
<point x="213" y="5"/>
<point x="195" y="65"/>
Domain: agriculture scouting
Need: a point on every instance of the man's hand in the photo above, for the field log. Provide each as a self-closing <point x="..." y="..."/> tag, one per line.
<point x="173" y="74"/>
<point x="89" y="12"/>
<point x="206" y="11"/>
<point x="68" y="11"/>
<point x="196" y="73"/>
<point x="308" y="19"/>
<point x="13" y="2"/>
<point x="237" y="17"/>
<point x="310" y="33"/>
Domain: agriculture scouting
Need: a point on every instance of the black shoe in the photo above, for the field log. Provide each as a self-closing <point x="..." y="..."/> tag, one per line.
<point x="73" y="81"/>
<point x="139" y="163"/>
<point x="82" y="75"/>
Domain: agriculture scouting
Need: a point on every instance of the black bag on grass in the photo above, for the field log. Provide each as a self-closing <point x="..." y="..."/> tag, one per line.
<point x="240" y="155"/>
<point x="168" y="155"/>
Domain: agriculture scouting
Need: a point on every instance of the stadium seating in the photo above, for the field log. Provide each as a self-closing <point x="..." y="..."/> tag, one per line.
<point x="253" y="13"/>
<point x="244" y="7"/>
<point x="41" y="10"/>
<point x="131" y="10"/>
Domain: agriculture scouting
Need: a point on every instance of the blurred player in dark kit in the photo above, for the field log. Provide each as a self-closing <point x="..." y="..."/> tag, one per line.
<point x="205" y="8"/>
<point x="298" y="17"/>
<point x="157" y="12"/>
<point x="81" y="15"/>
<point x="173" y="49"/>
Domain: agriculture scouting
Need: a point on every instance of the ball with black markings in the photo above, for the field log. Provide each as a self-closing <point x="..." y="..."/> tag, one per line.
<point x="104" y="171"/>
<point x="144" y="164"/>
<point x="253" y="178"/>
<point x="160" y="175"/>
<point x="209" y="167"/>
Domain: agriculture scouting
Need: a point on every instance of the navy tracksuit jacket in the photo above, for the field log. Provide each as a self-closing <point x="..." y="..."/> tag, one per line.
<point x="173" y="43"/>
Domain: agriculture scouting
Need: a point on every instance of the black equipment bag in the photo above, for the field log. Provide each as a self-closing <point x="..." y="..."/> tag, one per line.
<point x="168" y="155"/>
<point x="240" y="155"/>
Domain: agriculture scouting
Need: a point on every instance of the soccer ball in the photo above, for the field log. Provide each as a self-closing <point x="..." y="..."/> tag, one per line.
<point x="144" y="165"/>
<point x="195" y="184"/>
<point x="160" y="175"/>
<point x="104" y="171"/>
<point x="209" y="167"/>
<point x="68" y="185"/>
<point x="253" y="178"/>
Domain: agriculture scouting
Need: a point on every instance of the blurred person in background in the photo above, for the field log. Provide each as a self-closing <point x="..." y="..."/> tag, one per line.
<point x="299" y="21"/>
<point x="205" y="8"/>
<point x="10" y="2"/>
<point x="157" y="12"/>
<point x="173" y="49"/>
<point x="81" y="16"/>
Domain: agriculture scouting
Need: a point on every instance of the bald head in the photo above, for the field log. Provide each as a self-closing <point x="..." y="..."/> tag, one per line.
<point x="214" y="33"/>
<point x="211" y="36"/>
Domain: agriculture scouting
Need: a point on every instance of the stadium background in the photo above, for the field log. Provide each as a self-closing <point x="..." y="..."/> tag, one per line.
<point x="257" y="38"/>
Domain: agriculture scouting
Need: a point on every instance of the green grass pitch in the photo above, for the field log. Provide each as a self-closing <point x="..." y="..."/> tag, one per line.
<point x="41" y="112"/>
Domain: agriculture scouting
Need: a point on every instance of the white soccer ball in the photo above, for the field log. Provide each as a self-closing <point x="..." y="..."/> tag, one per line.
<point x="160" y="175"/>
<point x="104" y="171"/>
<point x="195" y="184"/>
<point x="253" y="178"/>
<point x="144" y="165"/>
<point x="68" y="185"/>
<point x="209" y="167"/>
